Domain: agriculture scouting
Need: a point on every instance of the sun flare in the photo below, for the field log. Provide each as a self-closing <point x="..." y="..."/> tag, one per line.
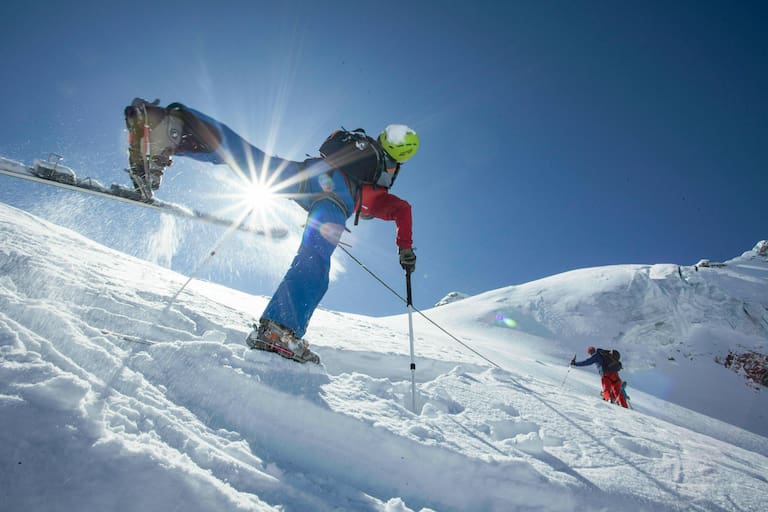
<point x="257" y="196"/>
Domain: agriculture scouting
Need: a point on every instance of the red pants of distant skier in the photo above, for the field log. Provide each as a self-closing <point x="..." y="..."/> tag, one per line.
<point x="612" y="388"/>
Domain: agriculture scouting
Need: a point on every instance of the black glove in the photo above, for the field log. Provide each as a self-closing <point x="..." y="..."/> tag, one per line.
<point x="573" y="361"/>
<point x="407" y="259"/>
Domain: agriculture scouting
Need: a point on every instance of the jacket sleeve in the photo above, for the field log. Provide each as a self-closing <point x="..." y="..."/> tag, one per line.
<point x="381" y="204"/>
<point x="587" y="362"/>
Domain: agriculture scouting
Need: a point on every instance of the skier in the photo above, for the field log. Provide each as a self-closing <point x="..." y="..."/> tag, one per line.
<point x="326" y="187"/>
<point x="609" y="366"/>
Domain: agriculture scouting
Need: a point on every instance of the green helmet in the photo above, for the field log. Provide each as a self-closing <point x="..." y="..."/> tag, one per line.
<point x="399" y="141"/>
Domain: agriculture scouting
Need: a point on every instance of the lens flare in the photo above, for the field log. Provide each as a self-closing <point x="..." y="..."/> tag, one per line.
<point x="246" y="194"/>
<point x="501" y="319"/>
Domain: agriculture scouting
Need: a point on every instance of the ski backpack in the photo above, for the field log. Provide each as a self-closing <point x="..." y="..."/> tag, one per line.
<point x="361" y="159"/>
<point x="355" y="154"/>
<point x="611" y="360"/>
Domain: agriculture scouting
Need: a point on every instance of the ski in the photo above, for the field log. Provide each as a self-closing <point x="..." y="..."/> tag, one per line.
<point x="51" y="172"/>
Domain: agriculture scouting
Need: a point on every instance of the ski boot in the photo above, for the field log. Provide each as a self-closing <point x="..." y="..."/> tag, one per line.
<point x="154" y="133"/>
<point x="269" y="336"/>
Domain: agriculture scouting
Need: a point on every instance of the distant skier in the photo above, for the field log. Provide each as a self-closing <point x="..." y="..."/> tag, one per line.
<point x="353" y="175"/>
<point x="609" y="365"/>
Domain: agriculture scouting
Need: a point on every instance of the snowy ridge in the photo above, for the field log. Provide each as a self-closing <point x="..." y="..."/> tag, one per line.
<point x="451" y="297"/>
<point x="90" y="421"/>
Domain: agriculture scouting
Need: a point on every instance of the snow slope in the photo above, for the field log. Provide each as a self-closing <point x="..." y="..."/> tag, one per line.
<point x="111" y="400"/>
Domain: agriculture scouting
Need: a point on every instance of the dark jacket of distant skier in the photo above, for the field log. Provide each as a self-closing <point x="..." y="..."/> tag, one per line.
<point x="609" y="365"/>
<point x="352" y="176"/>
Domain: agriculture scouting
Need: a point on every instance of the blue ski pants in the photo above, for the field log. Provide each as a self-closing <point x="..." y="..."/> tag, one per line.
<point x="324" y="194"/>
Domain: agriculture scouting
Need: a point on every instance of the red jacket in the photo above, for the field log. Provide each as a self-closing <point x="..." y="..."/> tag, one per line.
<point x="379" y="203"/>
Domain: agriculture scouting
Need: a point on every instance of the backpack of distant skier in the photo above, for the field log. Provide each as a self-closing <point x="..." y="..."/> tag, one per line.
<point x="611" y="360"/>
<point x="355" y="154"/>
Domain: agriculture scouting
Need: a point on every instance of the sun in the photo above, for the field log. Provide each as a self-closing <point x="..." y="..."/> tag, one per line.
<point x="246" y="198"/>
<point x="257" y="196"/>
<point x="248" y="192"/>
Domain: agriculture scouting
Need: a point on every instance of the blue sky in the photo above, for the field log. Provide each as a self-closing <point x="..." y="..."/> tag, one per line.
<point x="555" y="135"/>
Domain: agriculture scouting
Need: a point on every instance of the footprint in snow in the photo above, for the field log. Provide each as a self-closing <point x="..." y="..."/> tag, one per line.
<point x="637" y="447"/>
<point x="441" y="402"/>
<point x="522" y="435"/>
<point x="510" y="429"/>
<point x="507" y="408"/>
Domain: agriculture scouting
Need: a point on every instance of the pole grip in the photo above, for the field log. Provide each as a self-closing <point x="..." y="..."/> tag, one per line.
<point x="409" y="293"/>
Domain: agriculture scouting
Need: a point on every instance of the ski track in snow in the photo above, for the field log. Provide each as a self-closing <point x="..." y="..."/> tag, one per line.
<point x="100" y="420"/>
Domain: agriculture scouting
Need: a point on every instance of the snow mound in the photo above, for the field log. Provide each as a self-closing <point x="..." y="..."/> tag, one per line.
<point x="451" y="298"/>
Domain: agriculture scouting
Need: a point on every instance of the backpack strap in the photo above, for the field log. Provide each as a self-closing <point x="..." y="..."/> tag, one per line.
<point x="334" y="198"/>
<point x="357" y="197"/>
<point x="318" y="197"/>
<point x="358" y="194"/>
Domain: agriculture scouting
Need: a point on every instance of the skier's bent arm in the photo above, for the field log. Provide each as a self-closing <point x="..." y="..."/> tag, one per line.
<point x="388" y="206"/>
<point x="587" y="362"/>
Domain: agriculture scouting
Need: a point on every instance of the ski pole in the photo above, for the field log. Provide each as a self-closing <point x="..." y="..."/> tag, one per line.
<point x="409" y="303"/>
<point x="145" y="184"/>
<point x="567" y="373"/>
<point x="234" y="227"/>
